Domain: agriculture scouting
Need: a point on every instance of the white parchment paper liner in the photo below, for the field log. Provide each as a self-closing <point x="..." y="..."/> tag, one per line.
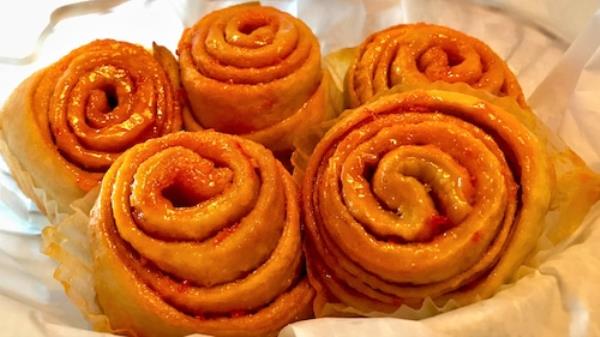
<point x="67" y="243"/>
<point x="47" y="205"/>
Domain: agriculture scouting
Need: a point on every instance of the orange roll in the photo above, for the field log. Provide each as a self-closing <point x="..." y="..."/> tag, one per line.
<point x="418" y="54"/>
<point x="67" y="123"/>
<point x="423" y="194"/>
<point x="254" y="71"/>
<point x="199" y="232"/>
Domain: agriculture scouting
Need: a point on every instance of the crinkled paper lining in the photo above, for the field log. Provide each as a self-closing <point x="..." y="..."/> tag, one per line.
<point x="24" y="180"/>
<point x="67" y="243"/>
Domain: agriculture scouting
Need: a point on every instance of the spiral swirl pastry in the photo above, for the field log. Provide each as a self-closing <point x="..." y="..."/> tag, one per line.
<point x="418" y="54"/>
<point x="199" y="232"/>
<point x="253" y="71"/>
<point x="69" y="122"/>
<point x="422" y="194"/>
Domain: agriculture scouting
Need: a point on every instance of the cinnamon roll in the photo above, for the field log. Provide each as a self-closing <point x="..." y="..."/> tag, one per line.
<point x="425" y="193"/>
<point x="254" y="71"/>
<point x="199" y="232"/>
<point x="66" y="124"/>
<point x="417" y="54"/>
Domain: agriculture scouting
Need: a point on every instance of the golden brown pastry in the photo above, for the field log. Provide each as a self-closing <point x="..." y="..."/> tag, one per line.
<point x="417" y="54"/>
<point x="198" y="232"/>
<point x="254" y="71"/>
<point x="438" y="192"/>
<point x="66" y="124"/>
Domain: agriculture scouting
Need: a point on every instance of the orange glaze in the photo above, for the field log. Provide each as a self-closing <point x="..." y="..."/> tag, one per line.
<point x="183" y="260"/>
<point x="417" y="54"/>
<point x="239" y="313"/>
<point x="101" y="99"/>
<point x="438" y="179"/>
<point x="251" y="70"/>
<point x="224" y="233"/>
<point x="183" y="286"/>
<point x="439" y="223"/>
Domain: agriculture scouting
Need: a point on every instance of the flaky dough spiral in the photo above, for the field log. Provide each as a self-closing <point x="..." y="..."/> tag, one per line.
<point x="423" y="194"/>
<point x="199" y="232"/>
<point x="417" y="54"/>
<point x="67" y="123"/>
<point x="254" y="71"/>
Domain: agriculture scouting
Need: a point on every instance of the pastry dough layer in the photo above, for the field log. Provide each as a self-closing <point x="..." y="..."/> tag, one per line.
<point x="199" y="232"/>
